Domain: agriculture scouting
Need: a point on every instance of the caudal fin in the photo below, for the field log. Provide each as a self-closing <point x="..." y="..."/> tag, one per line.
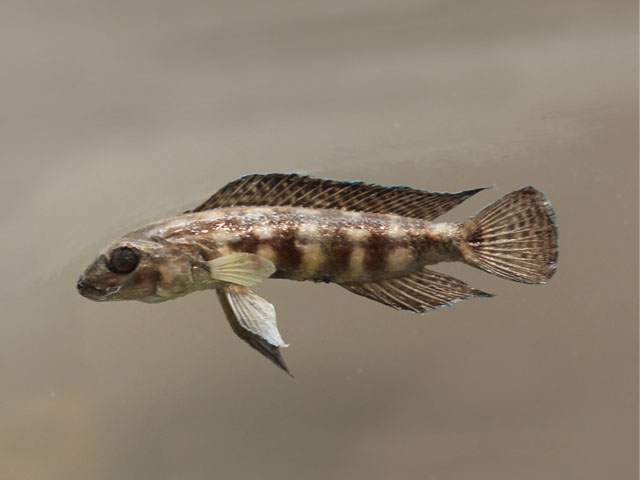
<point x="515" y="237"/>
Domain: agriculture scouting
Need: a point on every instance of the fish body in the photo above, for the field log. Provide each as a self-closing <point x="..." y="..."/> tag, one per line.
<point x="320" y="245"/>
<point x="372" y="240"/>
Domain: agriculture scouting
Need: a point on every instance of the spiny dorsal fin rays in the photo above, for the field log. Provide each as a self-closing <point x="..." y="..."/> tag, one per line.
<point x="293" y="190"/>
<point x="253" y="319"/>
<point x="240" y="268"/>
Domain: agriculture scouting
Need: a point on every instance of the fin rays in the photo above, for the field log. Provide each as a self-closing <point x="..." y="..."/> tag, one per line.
<point x="418" y="292"/>
<point x="253" y="319"/>
<point x="241" y="268"/>
<point x="515" y="237"/>
<point x="304" y="191"/>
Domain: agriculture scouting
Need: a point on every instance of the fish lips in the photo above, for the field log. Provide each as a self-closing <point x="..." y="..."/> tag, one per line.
<point x="94" y="293"/>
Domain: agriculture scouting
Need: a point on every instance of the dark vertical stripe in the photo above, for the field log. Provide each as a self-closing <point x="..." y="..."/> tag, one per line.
<point x="423" y="243"/>
<point x="337" y="251"/>
<point x="288" y="257"/>
<point x="377" y="247"/>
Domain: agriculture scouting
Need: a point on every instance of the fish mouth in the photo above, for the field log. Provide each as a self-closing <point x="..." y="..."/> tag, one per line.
<point x="92" y="292"/>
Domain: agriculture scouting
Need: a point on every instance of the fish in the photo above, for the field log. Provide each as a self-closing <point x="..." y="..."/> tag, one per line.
<point x="375" y="241"/>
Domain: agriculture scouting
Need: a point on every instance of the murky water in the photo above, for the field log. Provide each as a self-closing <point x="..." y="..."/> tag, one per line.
<point x="116" y="113"/>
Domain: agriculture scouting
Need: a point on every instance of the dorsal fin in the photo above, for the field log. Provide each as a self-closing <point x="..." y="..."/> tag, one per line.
<point x="293" y="190"/>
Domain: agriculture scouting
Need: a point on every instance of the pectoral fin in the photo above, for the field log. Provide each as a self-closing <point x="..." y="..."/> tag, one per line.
<point x="253" y="319"/>
<point x="241" y="268"/>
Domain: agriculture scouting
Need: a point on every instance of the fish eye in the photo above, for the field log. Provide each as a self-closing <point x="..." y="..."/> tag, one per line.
<point x="124" y="260"/>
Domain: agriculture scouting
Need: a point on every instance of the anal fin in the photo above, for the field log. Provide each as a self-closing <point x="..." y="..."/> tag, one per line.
<point x="418" y="292"/>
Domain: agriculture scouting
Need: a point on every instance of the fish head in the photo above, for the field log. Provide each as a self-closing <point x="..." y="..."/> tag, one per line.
<point x="149" y="271"/>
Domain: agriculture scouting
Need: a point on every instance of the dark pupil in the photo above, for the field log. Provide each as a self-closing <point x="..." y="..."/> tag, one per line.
<point x="124" y="260"/>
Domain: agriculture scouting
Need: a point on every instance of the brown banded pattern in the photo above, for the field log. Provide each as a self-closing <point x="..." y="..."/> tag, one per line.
<point x="373" y="240"/>
<point x="314" y="244"/>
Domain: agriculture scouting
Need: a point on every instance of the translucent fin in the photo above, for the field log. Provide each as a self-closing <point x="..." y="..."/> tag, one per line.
<point x="253" y="319"/>
<point x="279" y="189"/>
<point x="515" y="237"/>
<point x="419" y="292"/>
<point x="241" y="268"/>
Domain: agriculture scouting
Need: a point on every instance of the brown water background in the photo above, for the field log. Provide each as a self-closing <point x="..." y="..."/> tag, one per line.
<point x="115" y="113"/>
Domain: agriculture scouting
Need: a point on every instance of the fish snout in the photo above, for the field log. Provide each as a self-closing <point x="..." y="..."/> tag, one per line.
<point x="87" y="290"/>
